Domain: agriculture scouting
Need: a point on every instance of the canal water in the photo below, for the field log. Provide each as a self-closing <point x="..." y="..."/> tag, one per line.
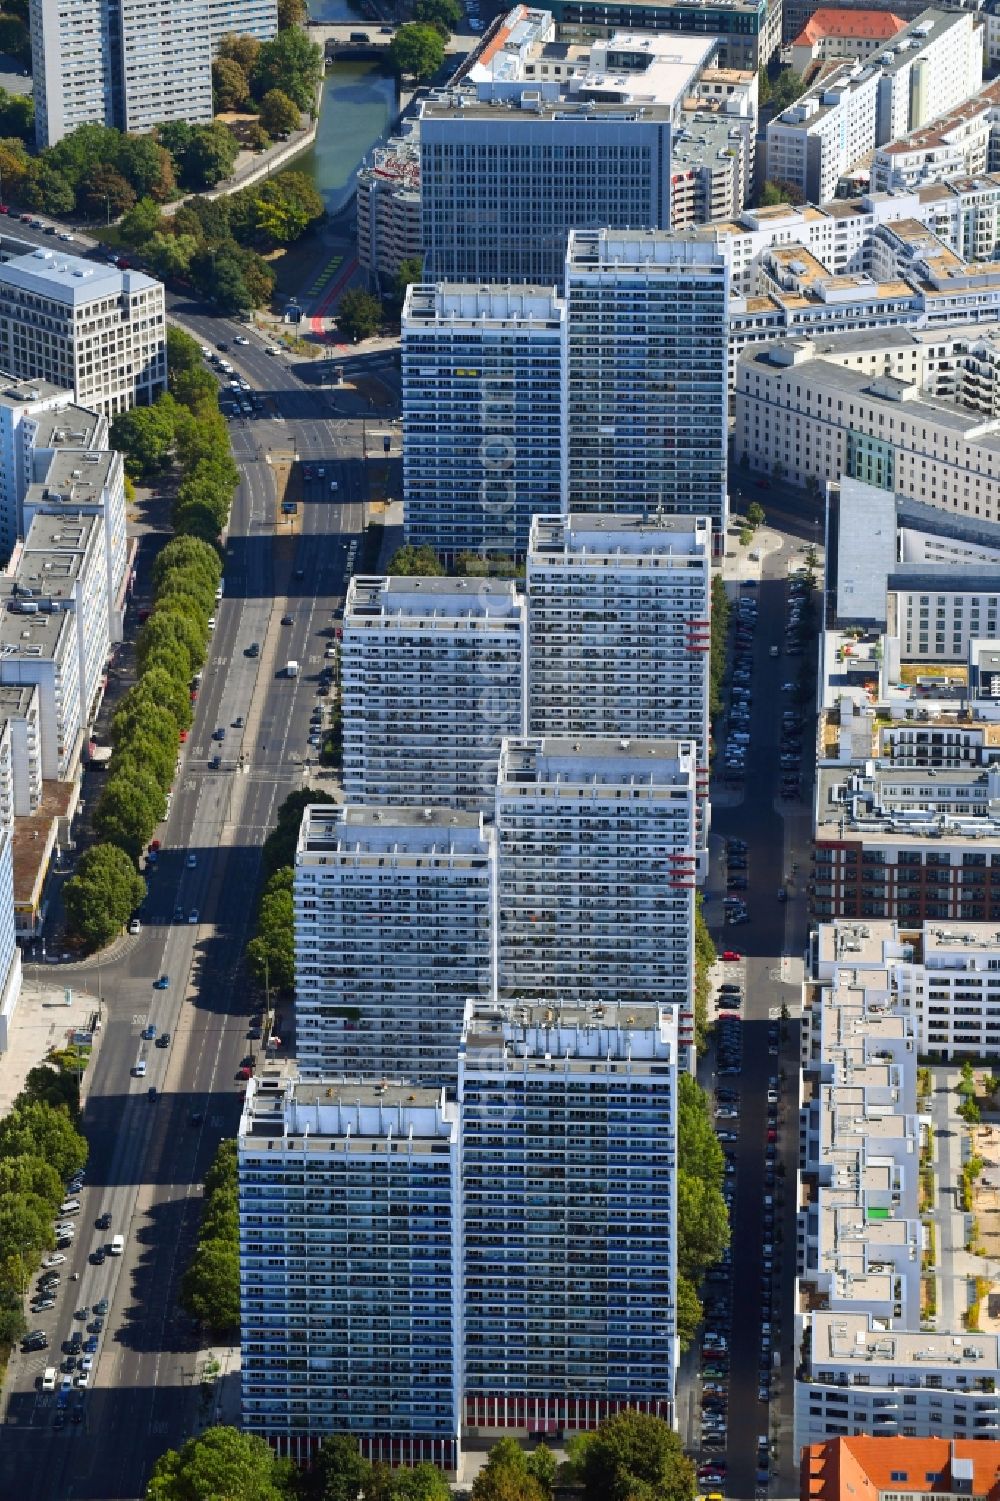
<point x="360" y="101"/>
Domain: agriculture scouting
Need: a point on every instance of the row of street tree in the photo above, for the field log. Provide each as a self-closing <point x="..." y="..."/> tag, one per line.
<point x="630" y="1457"/>
<point x="40" y="1149"/>
<point x="186" y="427"/>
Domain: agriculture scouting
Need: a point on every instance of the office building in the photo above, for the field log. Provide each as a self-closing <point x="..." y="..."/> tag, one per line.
<point x="482" y="415"/>
<point x="859" y="406"/>
<point x="569" y="1128"/>
<point x="866" y="1362"/>
<point x="543" y="155"/>
<point x="748" y="31"/>
<point x="832" y="33"/>
<point x="841" y="1468"/>
<point x="647" y="415"/>
<point x="432" y="679"/>
<point x="394" y="930"/>
<point x="596" y="864"/>
<point x="91" y="329"/>
<point x="350" y="1301"/>
<point x="820" y="137"/>
<point x="388" y="201"/>
<point x="618" y="628"/>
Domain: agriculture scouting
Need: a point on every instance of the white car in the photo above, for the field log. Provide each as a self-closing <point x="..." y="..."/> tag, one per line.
<point x="193" y="915"/>
<point x="82" y="1379"/>
<point x="206" y="351"/>
<point x="54" y="1260"/>
<point x="242" y="339"/>
<point x="135" y="926"/>
<point x="192" y="861"/>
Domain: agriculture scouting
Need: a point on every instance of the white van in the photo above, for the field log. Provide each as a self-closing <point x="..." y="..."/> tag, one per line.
<point x="139" y="1069"/>
<point x="49" y="1379"/>
<point x="117" y="1245"/>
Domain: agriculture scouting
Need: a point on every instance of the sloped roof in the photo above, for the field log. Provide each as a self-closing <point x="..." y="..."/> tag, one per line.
<point x="865" y="25"/>
<point x="860" y="1467"/>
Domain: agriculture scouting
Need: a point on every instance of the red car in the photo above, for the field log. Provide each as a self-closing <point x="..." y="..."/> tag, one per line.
<point x="184" y="735"/>
<point x="244" y="1072"/>
<point x="154" y="844"/>
<point x="4" y="208"/>
<point x="730" y="956"/>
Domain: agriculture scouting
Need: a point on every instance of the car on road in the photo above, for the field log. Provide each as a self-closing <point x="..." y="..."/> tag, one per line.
<point x="242" y="340"/>
<point x="238" y="722"/>
<point x="148" y="1032"/>
<point x="222" y="348"/>
<point x="96" y="1326"/>
<point x="98" y="1257"/>
<point x="163" y="983"/>
<point x="193" y="915"/>
<point x="91" y="1345"/>
<point x="163" y="1041"/>
<point x="219" y="733"/>
<point x="253" y="650"/>
<point x="244" y="1073"/>
<point x="103" y="1221"/>
<point x="178" y="917"/>
<point x="731" y="956"/>
<point x="192" y="861"/>
<point x="287" y="620"/>
<point x="101" y="1307"/>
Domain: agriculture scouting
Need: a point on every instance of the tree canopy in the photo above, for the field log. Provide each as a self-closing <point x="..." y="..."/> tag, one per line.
<point x="417" y="50"/>
<point x="102" y="894"/>
<point x="359" y="314"/>
<point x="632" y="1454"/>
<point x="221" y="1464"/>
<point x="291" y="63"/>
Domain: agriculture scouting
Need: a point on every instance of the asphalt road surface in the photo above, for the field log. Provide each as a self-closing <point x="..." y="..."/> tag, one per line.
<point x="148" y="1156"/>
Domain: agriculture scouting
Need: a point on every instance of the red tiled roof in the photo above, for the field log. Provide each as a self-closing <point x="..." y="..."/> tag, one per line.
<point x="866" y="25"/>
<point x="859" y="1467"/>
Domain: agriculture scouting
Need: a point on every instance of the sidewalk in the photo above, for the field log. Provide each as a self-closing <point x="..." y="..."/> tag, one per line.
<point x="42" y="1021"/>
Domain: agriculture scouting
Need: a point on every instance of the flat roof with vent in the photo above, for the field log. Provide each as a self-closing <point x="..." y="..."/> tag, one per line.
<point x="69" y="278"/>
<point x="69" y="426"/>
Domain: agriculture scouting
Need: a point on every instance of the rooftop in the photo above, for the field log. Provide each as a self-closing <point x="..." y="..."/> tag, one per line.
<point x="461" y="305"/>
<point x="70" y="427"/>
<point x="864" y="25"/>
<point x="335" y="835"/>
<point x="938" y="132"/>
<point x="863" y="1468"/>
<point x="69" y="278"/>
<point x="340" y="1114"/>
<point x="73" y="479"/>
<point x="26" y="393"/>
<point x="594" y="534"/>
<point x="437" y="601"/>
<point x="595" y="761"/>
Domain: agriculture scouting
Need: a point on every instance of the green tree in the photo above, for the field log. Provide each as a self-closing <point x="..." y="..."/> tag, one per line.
<point x="12" y="1321"/>
<point x="105" y="193"/>
<point x="774" y="193"/>
<point x="167" y="629"/>
<point x="506" y="1477"/>
<point x="17" y="116"/>
<point x="210" y="1290"/>
<point x="271" y="952"/>
<point x="279" y="115"/>
<point x="153" y="755"/>
<point x="143" y="220"/>
<point x="159" y="686"/>
<point x="169" y="256"/>
<point x="788" y="86"/>
<point x="542" y="1466"/>
<point x="446" y="15"/>
<point x="359" y="314"/>
<point x="36" y="1129"/>
<point x="102" y="895"/>
<point x="689" y="1311"/>
<point x="223" y="1172"/>
<point x="292" y="63"/>
<point x="280" y="844"/>
<point x="185" y="553"/>
<point x="210" y="156"/>
<point x="145" y="435"/>
<point x="412" y="561"/>
<point x="49" y="190"/>
<point x="258" y="279"/>
<point x="755" y="515"/>
<point x="633" y="1454"/>
<point x="230" y="85"/>
<point x="14" y="38"/>
<point x="147" y="166"/>
<point x="244" y="50"/>
<point x="417" y="50"/>
<point x="338" y="1472"/>
<point x="28" y="1174"/>
<point x="410" y="271"/>
<point x="420" y="1482"/>
<point x="698" y="1147"/>
<point x="292" y="13"/>
<point x="25" y="1226"/>
<point x="130" y="808"/>
<point x="221" y="1464"/>
<point x="256" y="137"/>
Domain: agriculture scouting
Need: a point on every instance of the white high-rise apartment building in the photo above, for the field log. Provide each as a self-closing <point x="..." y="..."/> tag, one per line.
<point x="482" y="414"/>
<point x="618" y="627"/>
<point x="134" y="65"/>
<point x="927" y="69"/>
<point x="350" y="1298"/>
<point x="92" y="329"/>
<point x="596" y="867"/>
<point x="813" y="142"/>
<point x="646" y="403"/>
<point x="394" y="930"/>
<point x="76" y="484"/>
<point x="432" y="679"/>
<point x="569" y="1158"/>
<point x="21" y="408"/>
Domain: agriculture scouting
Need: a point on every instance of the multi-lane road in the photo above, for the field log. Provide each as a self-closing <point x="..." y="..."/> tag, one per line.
<point x="148" y="1155"/>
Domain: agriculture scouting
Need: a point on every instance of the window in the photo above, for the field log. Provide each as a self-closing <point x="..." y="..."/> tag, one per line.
<point x="899" y="1475"/>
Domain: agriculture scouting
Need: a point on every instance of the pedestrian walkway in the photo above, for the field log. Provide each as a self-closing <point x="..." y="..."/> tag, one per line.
<point x="47" y="1016"/>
